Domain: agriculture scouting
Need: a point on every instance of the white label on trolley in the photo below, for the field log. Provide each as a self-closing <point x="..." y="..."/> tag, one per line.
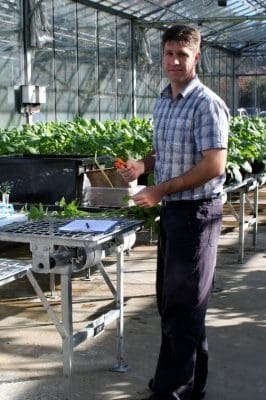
<point x="98" y="329"/>
<point x="98" y="325"/>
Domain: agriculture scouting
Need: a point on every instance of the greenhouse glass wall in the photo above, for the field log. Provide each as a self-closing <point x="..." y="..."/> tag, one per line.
<point x="99" y="63"/>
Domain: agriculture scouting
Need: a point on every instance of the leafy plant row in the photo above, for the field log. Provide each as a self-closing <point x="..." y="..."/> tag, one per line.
<point x="80" y="137"/>
<point x="246" y="148"/>
<point x="133" y="138"/>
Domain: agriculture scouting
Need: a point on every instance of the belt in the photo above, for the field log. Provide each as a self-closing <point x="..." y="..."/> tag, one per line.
<point x="192" y="202"/>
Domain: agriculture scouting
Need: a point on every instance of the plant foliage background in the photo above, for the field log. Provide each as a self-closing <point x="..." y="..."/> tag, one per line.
<point x="131" y="139"/>
<point x="80" y="137"/>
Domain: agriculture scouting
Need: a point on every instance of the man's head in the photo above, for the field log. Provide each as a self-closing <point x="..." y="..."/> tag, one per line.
<point x="181" y="53"/>
<point x="183" y="34"/>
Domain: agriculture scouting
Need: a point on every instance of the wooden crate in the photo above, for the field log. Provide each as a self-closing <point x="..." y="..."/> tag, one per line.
<point x="103" y="177"/>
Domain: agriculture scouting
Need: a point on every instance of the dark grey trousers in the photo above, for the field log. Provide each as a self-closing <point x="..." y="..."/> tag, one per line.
<point x="187" y="250"/>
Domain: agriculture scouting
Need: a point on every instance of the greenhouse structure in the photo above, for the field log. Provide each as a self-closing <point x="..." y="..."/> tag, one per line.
<point x="102" y="59"/>
<point x="89" y="310"/>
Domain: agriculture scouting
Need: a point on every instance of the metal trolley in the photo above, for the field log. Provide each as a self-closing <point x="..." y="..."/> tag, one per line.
<point x="57" y="252"/>
<point x="248" y="193"/>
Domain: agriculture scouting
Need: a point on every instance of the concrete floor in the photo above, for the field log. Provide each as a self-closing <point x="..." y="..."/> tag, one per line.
<point x="30" y="352"/>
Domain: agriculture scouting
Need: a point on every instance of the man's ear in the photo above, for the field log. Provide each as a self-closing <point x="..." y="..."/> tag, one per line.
<point x="197" y="57"/>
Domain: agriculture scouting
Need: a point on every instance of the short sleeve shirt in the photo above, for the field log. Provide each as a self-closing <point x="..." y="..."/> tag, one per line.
<point x="196" y="120"/>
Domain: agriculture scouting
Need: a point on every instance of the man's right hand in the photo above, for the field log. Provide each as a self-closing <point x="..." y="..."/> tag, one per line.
<point x="132" y="170"/>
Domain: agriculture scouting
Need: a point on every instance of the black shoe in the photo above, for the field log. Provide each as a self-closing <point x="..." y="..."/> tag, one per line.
<point x="197" y="396"/>
<point x="151" y="384"/>
<point x="160" y="397"/>
<point x="194" y="395"/>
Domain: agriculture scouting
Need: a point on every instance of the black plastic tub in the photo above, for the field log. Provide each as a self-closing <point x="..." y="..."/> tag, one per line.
<point x="44" y="179"/>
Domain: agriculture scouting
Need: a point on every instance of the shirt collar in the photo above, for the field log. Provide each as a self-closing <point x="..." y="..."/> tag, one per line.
<point x="186" y="90"/>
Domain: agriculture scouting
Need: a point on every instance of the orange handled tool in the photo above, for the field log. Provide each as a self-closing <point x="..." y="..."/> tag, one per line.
<point x="119" y="163"/>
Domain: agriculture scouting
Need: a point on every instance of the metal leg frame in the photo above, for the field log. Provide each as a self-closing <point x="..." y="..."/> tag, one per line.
<point x="242" y="226"/>
<point x="67" y="345"/>
<point x="65" y="328"/>
<point x="52" y="286"/>
<point x="45" y="249"/>
<point x="120" y="365"/>
<point x="244" y="199"/>
<point x="255" y="209"/>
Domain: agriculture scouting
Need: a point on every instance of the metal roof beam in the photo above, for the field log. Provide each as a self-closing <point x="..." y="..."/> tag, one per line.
<point x="208" y="20"/>
<point x="250" y="46"/>
<point x="161" y="8"/>
<point x="109" y="10"/>
<point x="230" y="50"/>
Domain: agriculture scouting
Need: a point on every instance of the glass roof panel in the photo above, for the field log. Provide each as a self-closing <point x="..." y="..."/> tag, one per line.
<point x="233" y="27"/>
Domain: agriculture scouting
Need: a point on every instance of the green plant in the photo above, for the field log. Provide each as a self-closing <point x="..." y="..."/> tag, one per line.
<point x="131" y="139"/>
<point x="65" y="210"/>
<point x="35" y="212"/>
<point x="68" y="210"/>
<point x="6" y="187"/>
<point x="71" y="210"/>
<point x="150" y="216"/>
<point x="246" y="147"/>
<point x="80" y="137"/>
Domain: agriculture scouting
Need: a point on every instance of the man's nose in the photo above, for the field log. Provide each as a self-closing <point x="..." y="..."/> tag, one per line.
<point x="176" y="61"/>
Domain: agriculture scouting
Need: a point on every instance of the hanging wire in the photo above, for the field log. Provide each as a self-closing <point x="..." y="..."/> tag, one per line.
<point x="259" y="3"/>
<point x="207" y="2"/>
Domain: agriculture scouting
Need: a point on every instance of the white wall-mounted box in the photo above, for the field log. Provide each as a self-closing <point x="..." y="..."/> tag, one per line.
<point x="33" y="94"/>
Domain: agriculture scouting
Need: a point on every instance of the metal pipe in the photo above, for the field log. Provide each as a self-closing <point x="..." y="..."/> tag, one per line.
<point x="67" y="344"/>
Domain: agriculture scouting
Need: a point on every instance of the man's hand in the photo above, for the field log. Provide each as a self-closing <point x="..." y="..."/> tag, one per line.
<point x="148" y="196"/>
<point x="132" y="170"/>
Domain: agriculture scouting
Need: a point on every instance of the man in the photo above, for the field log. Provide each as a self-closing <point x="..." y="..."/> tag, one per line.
<point x="191" y="125"/>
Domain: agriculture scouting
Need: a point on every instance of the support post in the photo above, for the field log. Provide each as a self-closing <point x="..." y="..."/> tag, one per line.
<point x="242" y="225"/>
<point x="67" y="343"/>
<point x="255" y="215"/>
<point x="121" y="365"/>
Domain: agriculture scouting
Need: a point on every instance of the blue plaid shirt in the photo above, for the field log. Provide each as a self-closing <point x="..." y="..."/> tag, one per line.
<point x="197" y="119"/>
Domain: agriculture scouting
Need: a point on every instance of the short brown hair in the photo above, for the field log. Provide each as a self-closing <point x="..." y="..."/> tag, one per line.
<point x="184" y="34"/>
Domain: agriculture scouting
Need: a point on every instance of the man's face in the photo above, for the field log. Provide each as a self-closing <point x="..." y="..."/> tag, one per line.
<point x="179" y="62"/>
